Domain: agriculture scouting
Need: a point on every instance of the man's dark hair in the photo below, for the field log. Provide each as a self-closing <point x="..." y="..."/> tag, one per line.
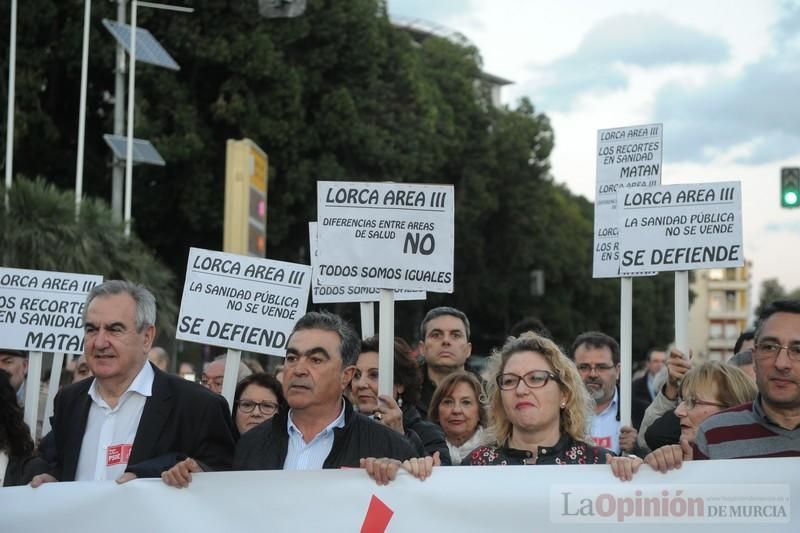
<point x="530" y="323"/>
<point x="349" y="341"/>
<point x="747" y="335"/>
<point x="778" y="306"/>
<point x="436" y="312"/>
<point x="595" y="339"/>
<point x="651" y="350"/>
<point x="15" y="353"/>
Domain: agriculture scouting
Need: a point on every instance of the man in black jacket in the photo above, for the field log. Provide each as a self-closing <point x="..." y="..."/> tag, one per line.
<point x="444" y="346"/>
<point x="131" y="420"/>
<point x="321" y="430"/>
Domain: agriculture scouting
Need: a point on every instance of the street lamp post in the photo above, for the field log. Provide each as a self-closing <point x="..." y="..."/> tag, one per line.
<point x="12" y="69"/>
<point x="131" y="84"/>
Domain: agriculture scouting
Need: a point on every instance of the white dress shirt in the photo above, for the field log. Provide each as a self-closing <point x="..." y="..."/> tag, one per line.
<point x="3" y="466"/>
<point x="605" y="426"/>
<point x="109" y="435"/>
<point x="311" y="456"/>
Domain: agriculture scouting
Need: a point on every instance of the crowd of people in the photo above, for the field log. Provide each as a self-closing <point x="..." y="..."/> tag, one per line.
<point x="125" y="417"/>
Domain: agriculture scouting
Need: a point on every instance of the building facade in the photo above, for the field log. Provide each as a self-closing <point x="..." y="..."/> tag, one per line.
<point x="719" y="312"/>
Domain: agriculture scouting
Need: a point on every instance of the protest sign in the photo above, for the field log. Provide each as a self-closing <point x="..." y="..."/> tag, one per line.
<point x="326" y="294"/>
<point x="386" y="235"/>
<point x="626" y="157"/>
<point x="241" y="303"/>
<point x="681" y="227"/>
<point x="738" y="496"/>
<point x="42" y="311"/>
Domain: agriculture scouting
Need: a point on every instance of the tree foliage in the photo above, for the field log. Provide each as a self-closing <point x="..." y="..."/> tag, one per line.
<point x="338" y="93"/>
<point x="40" y="232"/>
<point x="771" y="290"/>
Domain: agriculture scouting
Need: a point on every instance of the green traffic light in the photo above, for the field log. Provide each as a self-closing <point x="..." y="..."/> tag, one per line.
<point x="790" y="187"/>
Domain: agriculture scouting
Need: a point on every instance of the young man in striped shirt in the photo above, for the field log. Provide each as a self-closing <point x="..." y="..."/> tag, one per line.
<point x="769" y="426"/>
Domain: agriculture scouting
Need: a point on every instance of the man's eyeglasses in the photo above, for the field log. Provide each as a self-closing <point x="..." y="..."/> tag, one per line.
<point x="588" y="369"/>
<point x="768" y="350"/>
<point x="534" y="380"/>
<point x="266" y="408"/>
<point x="691" y="403"/>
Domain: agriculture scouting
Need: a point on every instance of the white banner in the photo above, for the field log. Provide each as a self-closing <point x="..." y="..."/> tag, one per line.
<point x="626" y="157"/>
<point x="681" y="227"/>
<point x="386" y="235"/>
<point x="42" y="311"/>
<point x="243" y="303"/>
<point x="327" y="294"/>
<point x="733" y="496"/>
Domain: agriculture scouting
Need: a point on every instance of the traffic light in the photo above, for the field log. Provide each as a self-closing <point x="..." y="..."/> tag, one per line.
<point x="790" y="187"/>
<point x="245" y="227"/>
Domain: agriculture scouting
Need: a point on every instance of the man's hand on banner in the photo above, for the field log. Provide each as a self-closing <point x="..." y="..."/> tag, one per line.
<point x="124" y="478"/>
<point x="180" y="475"/>
<point x="41" y="479"/>
<point x="624" y="467"/>
<point x="384" y="470"/>
<point x="670" y="457"/>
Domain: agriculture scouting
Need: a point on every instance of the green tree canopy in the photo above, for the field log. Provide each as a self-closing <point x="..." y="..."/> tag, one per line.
<point x="40" y="232"/>
<point x="337" y="93"/>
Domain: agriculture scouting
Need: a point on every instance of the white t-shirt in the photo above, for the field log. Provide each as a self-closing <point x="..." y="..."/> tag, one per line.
<point x="108" y="439"/>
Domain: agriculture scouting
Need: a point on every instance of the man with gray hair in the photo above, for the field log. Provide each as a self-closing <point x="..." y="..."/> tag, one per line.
<point x="214" y="374"/>
<point x="159" y="357"/>
<point x="132" y="420"/>
<point x="445" y="347"/>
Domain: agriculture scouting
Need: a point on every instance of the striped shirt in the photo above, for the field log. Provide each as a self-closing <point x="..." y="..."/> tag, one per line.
<point x="744" y="432"/>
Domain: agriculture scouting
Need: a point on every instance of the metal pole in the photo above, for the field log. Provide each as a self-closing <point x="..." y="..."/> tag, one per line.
<point x="52" y="389"/>
<point x="32" y="385"/>
<point x="129" y="150"/>
<point x="231" y="376"/>
<point x="12" y="70"/>
<point x="626" y="351"/>
<point x="117" y="172"/>
<point x="386" y="343"/>
<point x="367" y="319"/>
<point x="87" y="14"/>
<point x="682" y="311"/>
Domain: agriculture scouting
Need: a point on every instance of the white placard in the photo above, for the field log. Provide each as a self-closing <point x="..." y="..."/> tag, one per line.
<point x="681" y="227"/>
<point x="326" y="294"/>
<point x="731" y="496"/>
<point x="42" y="311"/>
<point x="386" y="235"/>
<point x="243" y="303"/>
<point x="626" y="157"/>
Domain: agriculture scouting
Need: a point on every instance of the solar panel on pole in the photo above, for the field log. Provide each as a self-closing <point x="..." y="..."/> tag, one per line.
<point x="143" y="150"/>
<point x="148" y="49"/>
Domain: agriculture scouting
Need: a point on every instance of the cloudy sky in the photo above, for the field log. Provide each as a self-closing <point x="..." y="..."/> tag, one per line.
<point x="721" y="75"/>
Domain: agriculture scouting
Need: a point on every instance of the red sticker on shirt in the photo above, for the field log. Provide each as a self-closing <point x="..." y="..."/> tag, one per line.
<point x="118" y="454"/>
<point x="603" y="442"/>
